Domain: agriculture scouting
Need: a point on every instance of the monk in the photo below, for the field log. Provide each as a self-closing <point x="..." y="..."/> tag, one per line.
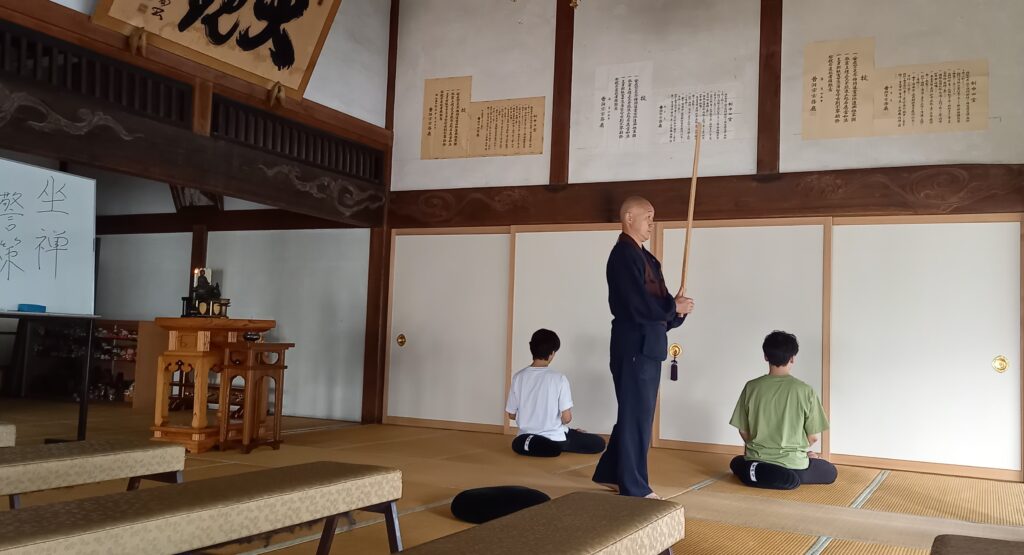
<point x="643" y="311"/>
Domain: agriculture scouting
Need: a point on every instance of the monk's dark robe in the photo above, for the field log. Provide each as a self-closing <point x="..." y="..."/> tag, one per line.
<point x="642" y="313"/>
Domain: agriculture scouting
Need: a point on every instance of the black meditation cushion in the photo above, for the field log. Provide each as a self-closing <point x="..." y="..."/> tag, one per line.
<point x="483" y="504"/>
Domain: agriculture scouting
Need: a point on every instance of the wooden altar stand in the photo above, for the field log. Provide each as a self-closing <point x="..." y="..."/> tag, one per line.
<point x="195" y="345"/>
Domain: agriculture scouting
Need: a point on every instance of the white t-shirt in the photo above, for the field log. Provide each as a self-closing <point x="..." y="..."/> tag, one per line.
<point x="537" y="398"/>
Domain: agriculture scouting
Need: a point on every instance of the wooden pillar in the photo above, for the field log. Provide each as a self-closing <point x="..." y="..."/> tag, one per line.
<point x="769" y="85"/>
<point x="561" y="94"/>
<point x="379" y="277"/>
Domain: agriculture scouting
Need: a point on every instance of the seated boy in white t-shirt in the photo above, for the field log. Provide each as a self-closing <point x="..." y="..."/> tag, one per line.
<point x="541" y="404"/>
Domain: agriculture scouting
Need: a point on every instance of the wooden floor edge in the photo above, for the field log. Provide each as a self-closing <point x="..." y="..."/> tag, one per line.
<point x="443" y="424"/>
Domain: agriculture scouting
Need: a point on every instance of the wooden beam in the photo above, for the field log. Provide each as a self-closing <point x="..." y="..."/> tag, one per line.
<point x="769" y="87"/>
<point x="212" y="220"/>
<point x="42" y="121"/>
<point x="561" y="95"/>
<point x="74" y="27"/>
<point x="378" y="275"/>
<point x="949" y="189"/>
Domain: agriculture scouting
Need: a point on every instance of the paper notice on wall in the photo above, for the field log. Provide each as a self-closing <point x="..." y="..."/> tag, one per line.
<point x="679" y="112"/>
<point x="623" y="109"/>
<point x="506" y="127"/>
<point x="454" y="127"/>
<point x="838" y="98"/>
<point x="932" y="98"/>
<point x="445" y="118"/>
<point x="844" y="95"/>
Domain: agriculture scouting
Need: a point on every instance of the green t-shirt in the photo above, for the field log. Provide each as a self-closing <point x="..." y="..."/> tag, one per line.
<point x="779" y="412"/>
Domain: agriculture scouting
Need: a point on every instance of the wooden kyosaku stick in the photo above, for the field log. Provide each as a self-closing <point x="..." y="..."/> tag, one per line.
<point x="689" y="213"/>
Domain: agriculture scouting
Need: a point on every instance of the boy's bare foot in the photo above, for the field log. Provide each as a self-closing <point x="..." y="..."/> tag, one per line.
<point x="652" y="495"/>
<point x="612" y="487"/>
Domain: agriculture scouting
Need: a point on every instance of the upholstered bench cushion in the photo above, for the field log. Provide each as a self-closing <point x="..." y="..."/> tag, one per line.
<point x="192" y="515"/>
<point x="37" y="467"/>
<point x="577" y="524"/>
<point x="7" y="434"/>
<point x="949" y="544"/>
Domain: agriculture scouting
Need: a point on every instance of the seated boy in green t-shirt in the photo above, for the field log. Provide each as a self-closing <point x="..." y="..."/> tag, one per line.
<point x="779" y="418"/>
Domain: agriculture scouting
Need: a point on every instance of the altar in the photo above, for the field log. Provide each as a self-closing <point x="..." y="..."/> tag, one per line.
<point x="196" y="345"/>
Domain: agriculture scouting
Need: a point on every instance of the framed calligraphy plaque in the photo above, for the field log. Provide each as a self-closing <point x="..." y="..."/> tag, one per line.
<point x="262" y="41"/>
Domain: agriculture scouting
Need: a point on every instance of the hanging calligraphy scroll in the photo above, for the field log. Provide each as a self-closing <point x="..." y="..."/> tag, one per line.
<point x="262" y="41"/>
<point x="455" y="127"/>
<point x="845" y="95"/>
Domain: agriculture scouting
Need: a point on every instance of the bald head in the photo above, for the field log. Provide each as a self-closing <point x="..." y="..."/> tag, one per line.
<point x="637" y="217"/>
<point x="634" y="205"/>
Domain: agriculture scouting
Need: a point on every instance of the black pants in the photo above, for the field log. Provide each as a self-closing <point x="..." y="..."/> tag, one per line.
<point x="772" y="476"/>
<point x="576" y="441"/>
<point x="636" y="379"/>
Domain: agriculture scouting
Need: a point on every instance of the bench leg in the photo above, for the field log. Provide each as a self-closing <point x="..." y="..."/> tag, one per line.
<point x="391" y="522"/>
<point x="172" y="477"/>
<point x="390" y="512"/>
<point x="327" y="537"/>
<point x="14" y="501"/>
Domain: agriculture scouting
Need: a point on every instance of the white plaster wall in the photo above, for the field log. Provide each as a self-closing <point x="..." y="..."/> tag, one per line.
<point x="909" y="32"/>
<point x="351" y="75"/>
<point x="118" y="194"/>
<point x="508" y="49"/>
<point x="231" y="203"/>
<point x="84" y="6"/>
<point x="313" y="283"/>
<point x="141" y="277"/>
<point x="692" y="44"/>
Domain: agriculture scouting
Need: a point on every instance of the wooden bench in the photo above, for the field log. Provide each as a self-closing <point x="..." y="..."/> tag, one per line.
<point x="7" y="433"/>
<point x="206" y="513"/>
<point x="29" y="468"/>
<point x="580" y="523"/>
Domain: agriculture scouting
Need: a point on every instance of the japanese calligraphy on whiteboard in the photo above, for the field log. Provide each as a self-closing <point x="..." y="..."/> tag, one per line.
<point x="47" y="231"/>
<point x="276" y="40"/>
<point x="455" y="127"/>
<point x="845" y="95"/>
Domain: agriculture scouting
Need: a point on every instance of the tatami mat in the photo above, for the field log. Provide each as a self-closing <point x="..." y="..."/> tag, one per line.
<point x="847" y="547"/>
<point x="706" y="536"/>
<point x="722" y="518"/>
<point x="972" y="500"/>
<point x="848" y="485"/>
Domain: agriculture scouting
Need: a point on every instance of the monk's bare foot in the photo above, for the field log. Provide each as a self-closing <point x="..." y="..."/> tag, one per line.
<point x="652" y="495"/>
<point x="612" y="487"/>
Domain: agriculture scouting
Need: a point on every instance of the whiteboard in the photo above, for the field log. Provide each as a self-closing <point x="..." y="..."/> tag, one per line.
<point x="918" y="313"/>
<point x="47" y="238"/>
<point x="449" y="298"/>
<point x="560" y="285"/>
<point x="745" y="282"/>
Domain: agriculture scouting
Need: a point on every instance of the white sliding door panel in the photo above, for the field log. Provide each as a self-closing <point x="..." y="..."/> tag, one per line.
<point x="450" y="300"/>
<point x="918" y="314"/>
<point x="745" y="282"/>
<point x="560" y="285"/>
